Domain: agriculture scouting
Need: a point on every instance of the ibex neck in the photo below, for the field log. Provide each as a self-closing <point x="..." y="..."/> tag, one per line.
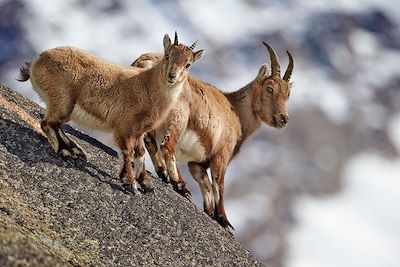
<point x="158" y="74"/>
<point x="242" y="102"/>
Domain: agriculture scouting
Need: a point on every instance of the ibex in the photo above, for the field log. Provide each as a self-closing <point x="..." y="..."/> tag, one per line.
<point x="101" y="95"/>
<point x="207" y="128"/>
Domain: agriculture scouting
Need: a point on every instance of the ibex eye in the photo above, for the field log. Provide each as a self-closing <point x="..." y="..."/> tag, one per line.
<point x="187" y="66"/>
<point x="166" y="57"/>
<point x="270" y="90"/>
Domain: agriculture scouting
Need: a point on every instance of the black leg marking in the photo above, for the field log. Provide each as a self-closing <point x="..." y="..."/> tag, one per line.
<point x="164" y="176"/>
<point x="225" y="223"/>
<point x="182" y="189"/>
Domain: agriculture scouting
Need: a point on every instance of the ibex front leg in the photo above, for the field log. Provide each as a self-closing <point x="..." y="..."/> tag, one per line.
<point x="168" y="147"/>
<point x="155" y="155"/>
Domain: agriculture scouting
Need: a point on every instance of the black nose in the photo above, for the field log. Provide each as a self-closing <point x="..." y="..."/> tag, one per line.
<point x="171" y="75"/>
<point x="284" y="119"/>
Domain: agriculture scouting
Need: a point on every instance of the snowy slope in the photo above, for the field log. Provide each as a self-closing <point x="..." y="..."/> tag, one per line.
<point x="359" y="227"/>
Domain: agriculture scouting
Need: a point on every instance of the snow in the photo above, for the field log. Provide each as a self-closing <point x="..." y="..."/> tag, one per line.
<point x="313" y="88"/>
<point x="360" y="227"/>
<point x="63" y="23"/>
<point x="350" y="6"/>
<point x="240" y="208"/>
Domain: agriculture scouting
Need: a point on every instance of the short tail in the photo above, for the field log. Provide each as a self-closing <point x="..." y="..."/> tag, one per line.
<point x="24" y="72"/>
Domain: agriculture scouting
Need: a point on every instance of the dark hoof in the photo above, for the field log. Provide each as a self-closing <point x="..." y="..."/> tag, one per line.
<point x="132" y="188"/>
<point x="230" y="230"/>
<point x="71" y="152"/>
<point x="66" y="153"/>
<point x="79" y="153"/>
<point x="210" y="213"/>
<point x="226" y="224"/>
<point x="128" y="186"/>
<point x="188" y="195"/>
<point x="147" y="186"/>
<point x="164" y="177"/>
<point x="183" y="191"/>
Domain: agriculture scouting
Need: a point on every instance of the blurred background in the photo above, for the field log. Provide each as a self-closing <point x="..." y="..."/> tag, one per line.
<point x="325" y="190"/>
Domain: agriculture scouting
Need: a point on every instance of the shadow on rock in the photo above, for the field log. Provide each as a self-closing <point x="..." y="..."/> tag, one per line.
<point x="33" y="148"/>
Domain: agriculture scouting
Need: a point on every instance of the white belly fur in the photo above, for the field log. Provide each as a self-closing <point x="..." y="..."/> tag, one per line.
<point x="190" y="148"/>
<point x="82" y="118"/>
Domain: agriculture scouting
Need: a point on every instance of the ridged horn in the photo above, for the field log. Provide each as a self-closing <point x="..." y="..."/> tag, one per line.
<point x="176" y="38"/>
<point x="275" y="66"/>
<point x="193" y="45"/>
<point x="288" y="72"/>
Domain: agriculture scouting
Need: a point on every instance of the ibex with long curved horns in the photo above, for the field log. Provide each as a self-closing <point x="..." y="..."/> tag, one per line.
<point x="101" y="95"/>
<point x="207" y="128"/>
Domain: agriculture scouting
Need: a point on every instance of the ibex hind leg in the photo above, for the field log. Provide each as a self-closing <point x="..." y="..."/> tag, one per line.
<point x="199" y="173"/>
<point x="57" y="116"/>
<point x="139" y="168"/>
<point x="71" y="146"/>
<point x="218" y="169"/>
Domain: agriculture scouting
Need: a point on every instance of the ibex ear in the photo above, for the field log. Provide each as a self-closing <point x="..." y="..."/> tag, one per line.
<point x="262" y="73"/>
<point x="197" y="55"/>
<point x="167" y="42"/>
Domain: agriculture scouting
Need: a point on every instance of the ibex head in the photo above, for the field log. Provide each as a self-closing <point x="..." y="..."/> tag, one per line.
<point x="271" y="92"/>
<point x="178" y="58"/>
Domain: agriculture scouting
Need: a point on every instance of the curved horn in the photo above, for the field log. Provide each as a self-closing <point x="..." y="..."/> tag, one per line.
<point x="176" y="38"/>
<point x="275" y="66"/>
<point x="289" y="70"/>
<point x="193" y="45"/>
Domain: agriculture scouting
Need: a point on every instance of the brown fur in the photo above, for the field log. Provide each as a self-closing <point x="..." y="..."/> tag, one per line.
<point x="222" y="122"/>
<point x="102" y="95"/>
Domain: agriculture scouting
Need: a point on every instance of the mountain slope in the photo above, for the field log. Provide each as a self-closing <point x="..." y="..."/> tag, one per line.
<point x="59" y="213"/>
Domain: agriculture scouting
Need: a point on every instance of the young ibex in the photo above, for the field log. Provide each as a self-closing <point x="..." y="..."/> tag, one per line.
<point x="207" y="128"/>
<point x="101" y="95"/>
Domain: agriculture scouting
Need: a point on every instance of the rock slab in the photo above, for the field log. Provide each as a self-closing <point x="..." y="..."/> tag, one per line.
<point x="73" y="213"/>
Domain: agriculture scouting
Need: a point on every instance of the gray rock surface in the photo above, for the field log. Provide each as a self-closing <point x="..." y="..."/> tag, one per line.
<point x="59" y="213"/>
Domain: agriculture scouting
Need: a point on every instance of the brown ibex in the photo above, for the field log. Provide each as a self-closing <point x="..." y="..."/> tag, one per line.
<point x="101" y="95"/>
<point x="207" y="128"/>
